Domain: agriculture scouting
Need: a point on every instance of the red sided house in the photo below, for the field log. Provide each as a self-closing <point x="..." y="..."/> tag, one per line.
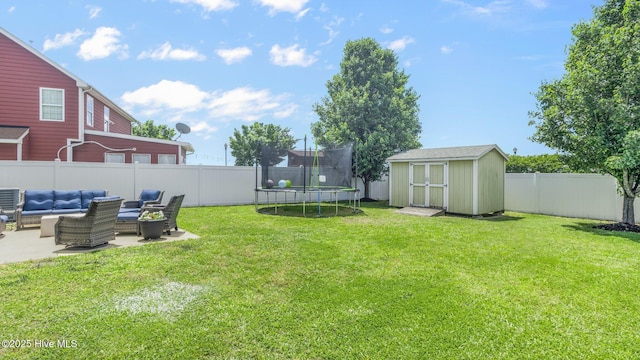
<point x="47" y="113"/>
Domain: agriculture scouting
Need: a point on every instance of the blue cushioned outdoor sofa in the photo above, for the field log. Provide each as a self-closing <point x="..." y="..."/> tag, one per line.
<point x="34" y="204"/>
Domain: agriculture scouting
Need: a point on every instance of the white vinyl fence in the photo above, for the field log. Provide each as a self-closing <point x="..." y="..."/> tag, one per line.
<point x="588" y="196"/>
<point x="202" y="185"/>
<point x="572" y="195"/>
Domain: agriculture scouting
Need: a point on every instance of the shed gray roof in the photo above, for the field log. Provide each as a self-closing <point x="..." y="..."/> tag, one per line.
<point x="448" y="153"/>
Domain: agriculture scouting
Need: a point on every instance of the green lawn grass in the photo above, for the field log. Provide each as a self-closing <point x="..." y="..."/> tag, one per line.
<point x="377" y="285"/>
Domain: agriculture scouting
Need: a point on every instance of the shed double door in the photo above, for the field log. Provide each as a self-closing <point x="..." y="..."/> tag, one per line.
<point x="428" y="186"/>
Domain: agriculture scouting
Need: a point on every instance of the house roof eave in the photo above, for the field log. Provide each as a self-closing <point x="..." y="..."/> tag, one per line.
<point x="105" y="100"/>
<point x="185" y="145"/>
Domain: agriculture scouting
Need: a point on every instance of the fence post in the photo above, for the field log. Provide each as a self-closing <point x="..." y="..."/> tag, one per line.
<point x="56" y="169"/>
<point x="135" y="191"/>
<point x="199" y="184"/>
<point x="536" y="193"/>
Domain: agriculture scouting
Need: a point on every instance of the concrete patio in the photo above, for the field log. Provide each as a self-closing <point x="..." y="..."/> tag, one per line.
<point x="23" y="245"/>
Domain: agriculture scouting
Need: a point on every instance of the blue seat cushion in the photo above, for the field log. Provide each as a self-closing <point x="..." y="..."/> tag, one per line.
<point x="35" y="200"/>
<point x="37" y="212"/>
<point x="67" y="199"/>
<point x="124" y="210"/>
<point x="4" y="218"/>
<point x="128" y="216"/>
<point x="88" y="195"/>
<point x="148" y="195"/>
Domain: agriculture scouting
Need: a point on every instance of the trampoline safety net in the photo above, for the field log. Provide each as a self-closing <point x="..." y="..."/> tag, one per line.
<point x="308" y="168"/>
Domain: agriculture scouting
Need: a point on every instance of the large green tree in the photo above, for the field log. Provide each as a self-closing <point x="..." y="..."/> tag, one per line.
<point x="245" y="143"/>
<point x="369" y="102"/>
<point x="593" y="111"/>
<point x="150" y="130"/>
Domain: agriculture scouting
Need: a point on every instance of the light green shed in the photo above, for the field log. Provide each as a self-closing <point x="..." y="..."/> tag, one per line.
<point x="465" y="180"/>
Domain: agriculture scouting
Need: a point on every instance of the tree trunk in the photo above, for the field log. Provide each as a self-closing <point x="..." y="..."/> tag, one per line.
<point x="629" y="191"/>
<point x="366" y="188"/>
<point x="628" y="215"/>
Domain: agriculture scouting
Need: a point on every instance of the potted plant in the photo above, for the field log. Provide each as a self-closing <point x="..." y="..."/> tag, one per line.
<point x="151" y="224"/>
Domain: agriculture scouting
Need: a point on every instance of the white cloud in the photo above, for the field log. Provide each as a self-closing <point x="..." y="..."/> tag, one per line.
<point x="528" y="58"/>
<point x="234" y="55"/>
<point x="357" y="19"/>
<point x="104" y="43"/>
<point x="172" y="101"/>
<point x="324" y="8"/>
<point x="302" y="13"/>
<point x="494" y="7"/>
<point x="167" y="52"/>
<point x="385" y="29"/>
<point x="164" y="96"/>
<point x="62" y="40"/>
<point x="331" y="27"/>
<point x="247" y="104"/>
<point x="210" y="5"/>
<point x="400" y="44"/>
<point x="94" y="11"/>
<point x="291" y="56"/>
<point x="276" y="6"/>
<point x="446" y="50"/>
<point x="11" y="9"/>
<point x="285" y="112"/>
<point x="538" y="4"/>
<point x="203" y="129"/>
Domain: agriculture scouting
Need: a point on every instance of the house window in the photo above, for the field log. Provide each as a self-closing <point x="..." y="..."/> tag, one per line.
<point x="141" y="158"/>
<point x="89" y="110"/>
<point x="107" y="121"/>
<point x="114" y="158"/>
<point x="166" y="159"/>
<point x="51" y="104"/>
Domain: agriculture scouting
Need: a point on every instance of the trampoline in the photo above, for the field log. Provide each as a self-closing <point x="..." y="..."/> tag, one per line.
<point x="308" y="197"/>
<point x="308" y="177"/>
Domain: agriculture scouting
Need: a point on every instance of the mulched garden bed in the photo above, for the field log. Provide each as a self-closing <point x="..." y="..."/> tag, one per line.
<point x="619" y="227"/>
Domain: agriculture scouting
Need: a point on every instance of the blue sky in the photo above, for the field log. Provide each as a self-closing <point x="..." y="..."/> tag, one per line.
<point x="218" y="64"/>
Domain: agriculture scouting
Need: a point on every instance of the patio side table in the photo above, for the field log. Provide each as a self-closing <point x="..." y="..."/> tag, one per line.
<point x="48" y="223"/>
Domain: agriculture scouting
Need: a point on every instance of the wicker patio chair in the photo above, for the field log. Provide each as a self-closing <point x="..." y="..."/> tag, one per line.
<point x="170" y="210"/>
<point x="147" y="197"/>
<point x="95" y="228"/>
<point x="3" y="221"/>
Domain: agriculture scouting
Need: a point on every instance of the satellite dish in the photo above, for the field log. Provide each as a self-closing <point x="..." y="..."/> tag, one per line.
<point x="182" y="129"/>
